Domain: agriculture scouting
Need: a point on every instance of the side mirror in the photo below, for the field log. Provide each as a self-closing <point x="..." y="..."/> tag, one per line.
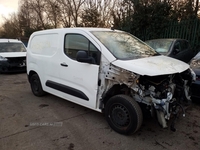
<point x="82" y="56"/>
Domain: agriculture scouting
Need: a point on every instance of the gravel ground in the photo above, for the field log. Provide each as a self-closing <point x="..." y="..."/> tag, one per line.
<point x="50" y="123"/>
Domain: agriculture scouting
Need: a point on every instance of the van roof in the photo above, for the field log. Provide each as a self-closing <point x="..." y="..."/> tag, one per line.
<point x="87" y="29"/>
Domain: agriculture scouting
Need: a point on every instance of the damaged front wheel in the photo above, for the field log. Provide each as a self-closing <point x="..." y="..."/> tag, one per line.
<point x="123" y="114"/>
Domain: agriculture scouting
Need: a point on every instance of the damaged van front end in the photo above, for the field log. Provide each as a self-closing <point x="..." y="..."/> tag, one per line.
<point x="164" y="95"/>
<point x="159" y="83"/>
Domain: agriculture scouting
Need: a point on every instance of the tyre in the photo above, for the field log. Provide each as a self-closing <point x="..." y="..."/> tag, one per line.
<point x="36" y="86"/>
<point x="123" y="114"/>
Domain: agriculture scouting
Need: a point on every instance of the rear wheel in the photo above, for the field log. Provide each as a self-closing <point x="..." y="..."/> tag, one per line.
<point x="123" y="114"/>
<point x="36" y="86"/>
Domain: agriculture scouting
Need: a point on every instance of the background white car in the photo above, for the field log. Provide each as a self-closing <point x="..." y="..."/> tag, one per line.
<point x="12" y="55"/>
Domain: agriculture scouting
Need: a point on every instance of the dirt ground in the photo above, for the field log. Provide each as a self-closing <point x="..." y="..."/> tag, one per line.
<point x="50" y="123"/>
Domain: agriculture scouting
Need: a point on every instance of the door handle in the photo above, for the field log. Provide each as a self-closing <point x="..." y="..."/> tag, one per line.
<point x="64" y="64"/>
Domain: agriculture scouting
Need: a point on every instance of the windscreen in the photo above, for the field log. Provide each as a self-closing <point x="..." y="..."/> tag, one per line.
<point x="124" y="46"/>
<point x="12" y="47"/>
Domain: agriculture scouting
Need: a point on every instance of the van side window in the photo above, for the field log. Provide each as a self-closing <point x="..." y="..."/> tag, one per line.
<point x="76" y="42"/>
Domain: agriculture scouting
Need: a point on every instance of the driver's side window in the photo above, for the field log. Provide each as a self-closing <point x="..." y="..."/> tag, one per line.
<point x="76" y="42"/>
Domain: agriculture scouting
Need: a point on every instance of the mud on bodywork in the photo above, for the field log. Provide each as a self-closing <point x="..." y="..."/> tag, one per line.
<point x="163" y="94"/>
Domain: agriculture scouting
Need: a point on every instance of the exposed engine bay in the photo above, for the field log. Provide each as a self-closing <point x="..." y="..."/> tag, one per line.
<point x="164" y="95"/>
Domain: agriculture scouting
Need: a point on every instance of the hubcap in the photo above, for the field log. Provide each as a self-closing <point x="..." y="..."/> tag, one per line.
<point x="120" y="115"/>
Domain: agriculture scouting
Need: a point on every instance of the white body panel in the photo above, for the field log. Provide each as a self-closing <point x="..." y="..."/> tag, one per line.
<point x="153" y="66"/>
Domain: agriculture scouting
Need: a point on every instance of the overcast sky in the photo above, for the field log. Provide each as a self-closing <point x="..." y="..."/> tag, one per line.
<point x="7" y="7"/>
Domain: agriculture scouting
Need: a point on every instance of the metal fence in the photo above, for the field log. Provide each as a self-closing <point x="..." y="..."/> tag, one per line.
<point x="187" y="29"/>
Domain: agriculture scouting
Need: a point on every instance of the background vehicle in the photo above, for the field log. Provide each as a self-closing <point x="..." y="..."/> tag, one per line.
<point x="176" y="48"/>
<point x="12" y="55"/>
<point x="109" y="71"/>
<point x="195" y="88"/>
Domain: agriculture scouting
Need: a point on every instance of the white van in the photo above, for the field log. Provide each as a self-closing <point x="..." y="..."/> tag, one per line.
<point x="109" y="71"/>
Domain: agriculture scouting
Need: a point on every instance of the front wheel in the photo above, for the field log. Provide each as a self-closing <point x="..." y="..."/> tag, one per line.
<point x="36" y="86"/>
<point x="123" y="114"/>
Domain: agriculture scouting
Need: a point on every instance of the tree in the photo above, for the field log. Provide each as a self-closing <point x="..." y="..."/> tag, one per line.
<point x="134" y="16"/>
<point x="90" y="17"/>
<point x="145" y="17"/>
<point x="53" y="13"/>
<point x="38" y="10"/>
<point x="11" y="27"/>
<point x="72" y="8"/>
<point x="184" y="9"/>
<point x="105" y="8"/>
<point x="122" y="14"/>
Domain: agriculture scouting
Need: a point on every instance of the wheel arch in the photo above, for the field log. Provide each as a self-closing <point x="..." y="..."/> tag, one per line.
<point x="36" y="85"/>
<point x="30" y="74"/>
<point x="116" y="90"/>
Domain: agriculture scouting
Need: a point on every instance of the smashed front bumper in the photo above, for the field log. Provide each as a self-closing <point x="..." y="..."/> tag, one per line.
<point x="13" y="65"/>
